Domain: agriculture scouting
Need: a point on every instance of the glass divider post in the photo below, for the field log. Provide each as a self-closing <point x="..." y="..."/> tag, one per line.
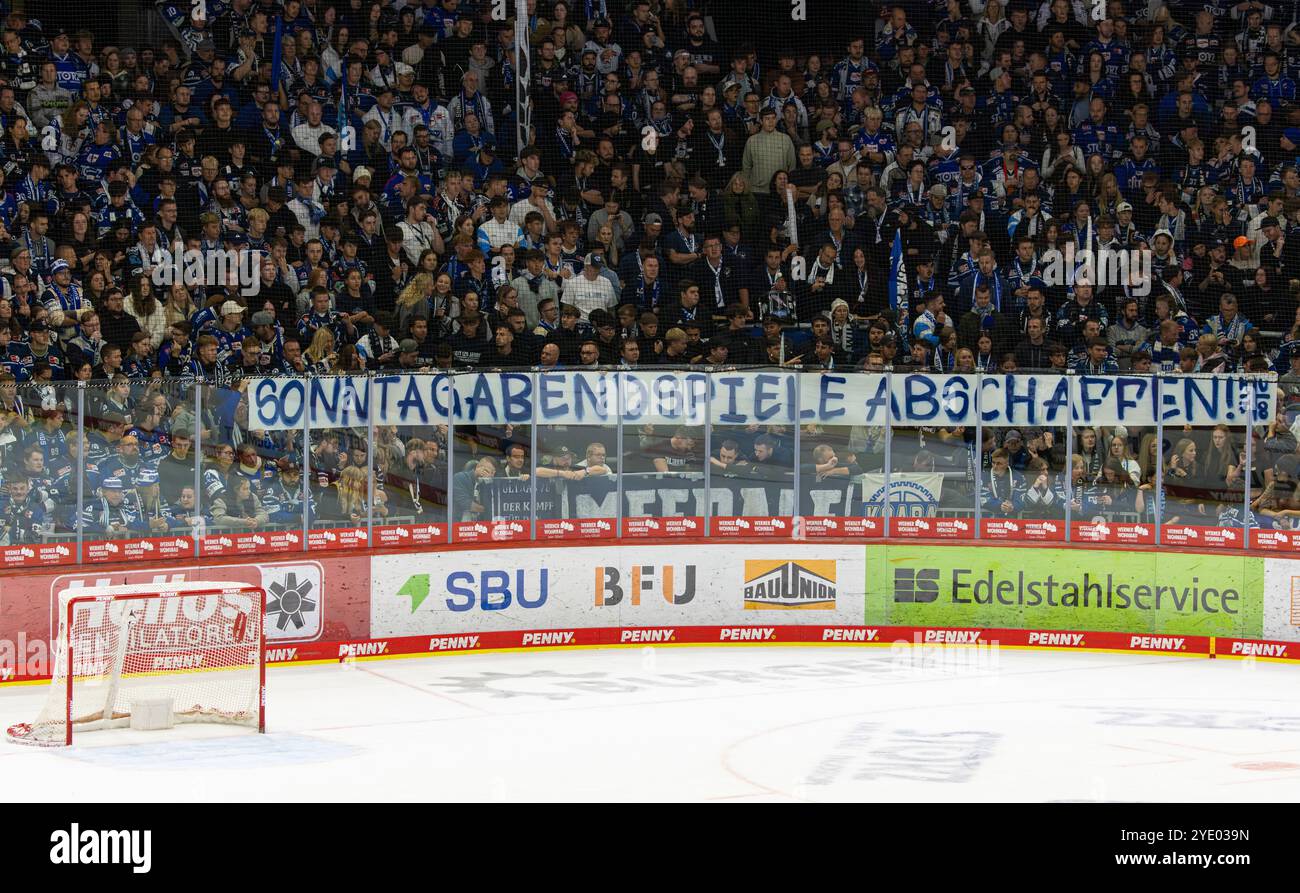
<point x="306" y="469"/>
<point x="198" y="530"/>
<point x="451" y="452"/>
<point x="532" y="461"/>
<point x="979" y="455"/>
<point x="1248" y="471"/>
<point x="1160" y="464"/>
<point x="1069" y="459"/>
<point x="370" y="451"/>
<point x="708" y="446"/>
<point x="81" y="468"/>
<point x="796" y="522"/>
<point x="618" y="439"/>
<point x="889" y="451"/>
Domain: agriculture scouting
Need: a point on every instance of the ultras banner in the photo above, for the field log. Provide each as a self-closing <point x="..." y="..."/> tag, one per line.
<point x="762" y="398"/>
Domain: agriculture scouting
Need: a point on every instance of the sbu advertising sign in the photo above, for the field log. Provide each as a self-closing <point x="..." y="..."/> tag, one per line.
<point x="488" y="590"/>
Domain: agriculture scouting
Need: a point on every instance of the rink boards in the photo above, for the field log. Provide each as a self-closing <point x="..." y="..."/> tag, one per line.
<point x="375" y="605"/>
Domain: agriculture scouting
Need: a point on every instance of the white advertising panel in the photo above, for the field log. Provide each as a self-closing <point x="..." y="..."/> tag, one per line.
<point x="624" y="586"/>
<point x="1282" y="600"/>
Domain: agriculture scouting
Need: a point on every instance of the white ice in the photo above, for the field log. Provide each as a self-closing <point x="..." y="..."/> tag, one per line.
<point x="741" y="724"/>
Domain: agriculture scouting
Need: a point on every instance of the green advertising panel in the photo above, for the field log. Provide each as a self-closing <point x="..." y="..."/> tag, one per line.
<point x="1065" y="589"/>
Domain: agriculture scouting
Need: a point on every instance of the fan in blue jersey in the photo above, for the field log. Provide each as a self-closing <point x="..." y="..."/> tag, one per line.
<point x="1025" y="273"/>
<point x="1062" y="63"/>
<point x="847" y="74"/>
<point x="229" y="331"/>
<point x="149" y="430"/>
<point x="135" y="136"/>
<point x="1129" y="172"/>
<point x="116" y="513"/>
<point x="1097" y="136"/>
<point x="1246" y="191"/>
<point x="49" y="434"/>
<point x="65" y="193"/>
<point x="96" y="156"/>
<point x="920" y="110"/>
<point x="347" y="259"/>
<point x="1002" y="491"/>
<point x="1004" y="172"/>
<point x="931" y="321"/>
<point x="33" y="187"/>
<point x="39" y="349"/>
<point x="156" y="514"/>
<point x="11" y="355"/>
<point x="937" y="212"/>
<point x="1113" y="51"/>
<point x="115" y="210"/>
<point x="999" y="107"/>
<point x="124" y="459"/>
<point x="64" y="301"/>
<point x="896" y="34"/>
<point x="23" y="517"/>
<point x="322" y="316"/>
<point x="1274" y="85"/>
<point x="1095" y="359"/>
<point x="71" y="69"/>
<point x="873" y="142"/>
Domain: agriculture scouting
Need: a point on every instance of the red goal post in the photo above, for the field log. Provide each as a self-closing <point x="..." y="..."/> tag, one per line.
<point x="199" y="646"/>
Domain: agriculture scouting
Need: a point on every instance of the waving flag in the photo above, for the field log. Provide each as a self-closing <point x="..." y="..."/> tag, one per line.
<point x="898" y="292"/>
<point x="277" y="55"/>
<point x="1090" y="258"/>
<point x="341" y="149"/>
<point x="1079" y="260"/>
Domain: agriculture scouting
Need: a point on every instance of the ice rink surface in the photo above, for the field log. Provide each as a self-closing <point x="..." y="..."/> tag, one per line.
<point x="744" y="724"/>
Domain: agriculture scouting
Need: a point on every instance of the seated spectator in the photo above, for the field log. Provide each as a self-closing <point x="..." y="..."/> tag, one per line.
<point x="1043" y="496"/>
<point x="465" y="483"/>
<point x="1184" y="485"/>
<point x="679" y="454"/>
<point x="1002" y="495"/>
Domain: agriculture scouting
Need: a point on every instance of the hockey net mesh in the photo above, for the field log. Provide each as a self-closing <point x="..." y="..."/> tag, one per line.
<point x="200" y="647"/>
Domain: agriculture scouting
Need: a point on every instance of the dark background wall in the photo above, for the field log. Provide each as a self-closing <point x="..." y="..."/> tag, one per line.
<point x="769" y="25"/>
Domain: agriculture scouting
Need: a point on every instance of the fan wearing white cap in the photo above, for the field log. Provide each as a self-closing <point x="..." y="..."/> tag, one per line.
<point x="230" y="332"/>
<point x="64" y="300"/>
<point x="113" y="513"/>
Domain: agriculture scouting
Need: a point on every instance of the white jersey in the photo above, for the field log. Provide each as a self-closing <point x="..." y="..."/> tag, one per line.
<point x="389" y="122"/>
<point x="438" y="120"/>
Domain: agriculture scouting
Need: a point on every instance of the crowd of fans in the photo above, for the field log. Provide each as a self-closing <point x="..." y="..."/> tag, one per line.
<point x="353" y="172"/>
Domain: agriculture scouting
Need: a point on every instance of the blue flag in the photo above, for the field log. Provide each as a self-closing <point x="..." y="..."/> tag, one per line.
<point x="898" y="291"/>
<point x="340" y="150"/>
<point x="277" y="55"/>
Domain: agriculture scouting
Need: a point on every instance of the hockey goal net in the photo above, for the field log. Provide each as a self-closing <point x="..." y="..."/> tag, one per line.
<point x="198" y="646"/>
